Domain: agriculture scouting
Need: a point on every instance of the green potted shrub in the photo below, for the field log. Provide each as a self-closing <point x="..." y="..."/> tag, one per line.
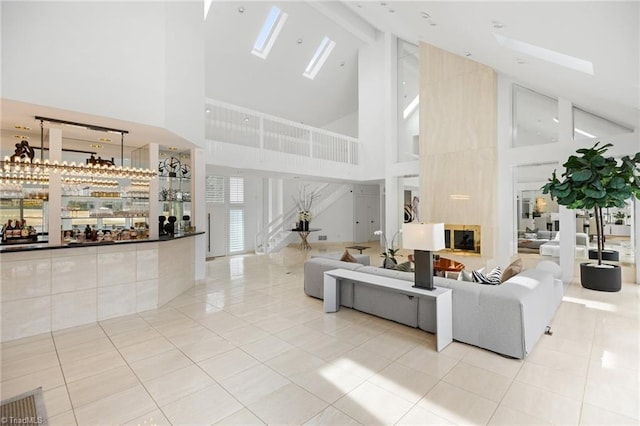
<point x="593" y="181"/>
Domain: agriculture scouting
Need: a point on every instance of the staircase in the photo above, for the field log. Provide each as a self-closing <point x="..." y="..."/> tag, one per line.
<point x="276" y="234"/>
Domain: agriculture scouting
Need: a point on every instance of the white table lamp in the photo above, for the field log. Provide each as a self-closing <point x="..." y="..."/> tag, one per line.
<point x="423" y="238"/>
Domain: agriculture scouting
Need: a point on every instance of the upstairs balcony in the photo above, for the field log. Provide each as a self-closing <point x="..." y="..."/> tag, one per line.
<point x="242" y="138"/>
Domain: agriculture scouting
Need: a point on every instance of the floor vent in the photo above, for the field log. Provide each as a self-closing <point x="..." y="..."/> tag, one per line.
<point x="322" y="238"/>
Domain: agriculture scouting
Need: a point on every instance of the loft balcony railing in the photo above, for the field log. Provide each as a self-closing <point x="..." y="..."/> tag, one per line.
<point x="241" y="126"/>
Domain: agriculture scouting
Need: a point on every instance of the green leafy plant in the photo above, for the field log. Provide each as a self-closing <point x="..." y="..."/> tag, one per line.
<point x="389" y="252"/>
<point x="593" y="181"/>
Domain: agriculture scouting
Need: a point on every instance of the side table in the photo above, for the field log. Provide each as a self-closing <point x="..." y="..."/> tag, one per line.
<point x="304" y="235"/>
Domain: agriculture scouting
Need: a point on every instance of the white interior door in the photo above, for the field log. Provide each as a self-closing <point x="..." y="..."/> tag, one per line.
<point x="216" y="231"/>
<point x="367" y="218"/>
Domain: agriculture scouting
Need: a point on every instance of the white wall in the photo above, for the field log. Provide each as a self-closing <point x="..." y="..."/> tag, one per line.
<point x="137" y="61"/>
<point x="347" y="125"/>
<point x="184" y="70"/>
<point x="372" y="81"/>
<point x="336" y="221"/>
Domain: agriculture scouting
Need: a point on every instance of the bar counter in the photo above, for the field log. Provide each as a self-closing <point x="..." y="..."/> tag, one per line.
<point x="13" y="248"/>
<point x="45" y="287"/>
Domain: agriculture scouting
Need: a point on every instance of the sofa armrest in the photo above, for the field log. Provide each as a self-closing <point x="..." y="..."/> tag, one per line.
<point x="314" y="270"/>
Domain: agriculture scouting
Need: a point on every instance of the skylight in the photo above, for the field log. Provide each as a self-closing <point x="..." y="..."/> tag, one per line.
<point x="269" y="32"/>
<point x="552" y="56"/>
<point x="319" y="58"/>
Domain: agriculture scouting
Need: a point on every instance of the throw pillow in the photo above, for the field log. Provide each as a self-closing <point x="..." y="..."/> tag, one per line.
<point x="513" y="269"/>
<point x="468" y="275"/>
<point x="492" y="278"/>
<point x="530" y="235"/>
<point x="405" y="267"/>
<point x="346" y="257"/>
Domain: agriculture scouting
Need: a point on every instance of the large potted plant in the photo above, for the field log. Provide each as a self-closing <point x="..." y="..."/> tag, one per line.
<point x="593" y="181"/>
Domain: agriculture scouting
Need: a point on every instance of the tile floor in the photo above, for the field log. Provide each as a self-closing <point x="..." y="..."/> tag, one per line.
<point x="248" y="347"/>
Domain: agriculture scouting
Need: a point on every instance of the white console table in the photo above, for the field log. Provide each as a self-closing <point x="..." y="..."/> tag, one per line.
<point x="442" y="297"/>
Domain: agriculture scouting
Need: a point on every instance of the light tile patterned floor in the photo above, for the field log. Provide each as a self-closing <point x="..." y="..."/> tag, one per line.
<point x="248" y="347"/>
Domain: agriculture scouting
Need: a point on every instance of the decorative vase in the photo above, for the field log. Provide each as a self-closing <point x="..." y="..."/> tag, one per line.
<point x="305" y="225"/>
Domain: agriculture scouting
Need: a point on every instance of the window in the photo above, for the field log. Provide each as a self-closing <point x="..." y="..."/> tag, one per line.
<point x="587" y="125"/>
<point x="214" y="189"/>
<point x="236" y="230"/>
<point x="269" y="32"/>
<point x="535" y="118"/>
<point x="236" y="190"/>
<point x="408" y="101"/>
<point x="236" y="214"/>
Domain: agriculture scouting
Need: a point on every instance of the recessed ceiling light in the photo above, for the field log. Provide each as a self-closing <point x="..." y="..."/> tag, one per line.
<point x="342" y="64"/>
<point x="20" y="127"/>
<point x="392" y="11"/>
<point x="241" y="9"/>
<point x="20" y="137"/>
<point x="208" y="110"/>
<point x="97" y="146"/>
<point x="425" y="15"/>
<point x="246" y="119"/>
<point x="521" y="61"/>
<point x="433" y="24"/>
<point x="497" y="24"/>
<point x="300" y="41"/>
<point x="359" y="5"/>
<point x="383" y="4"/>
<point x="105" y="140"/>
<point x="467" y="54"/>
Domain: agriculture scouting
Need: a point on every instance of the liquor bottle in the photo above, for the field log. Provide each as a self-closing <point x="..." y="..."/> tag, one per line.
<point x="24" y="232"/>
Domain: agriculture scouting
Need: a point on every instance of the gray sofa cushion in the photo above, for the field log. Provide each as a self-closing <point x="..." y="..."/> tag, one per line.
<point x="362" y="259"/>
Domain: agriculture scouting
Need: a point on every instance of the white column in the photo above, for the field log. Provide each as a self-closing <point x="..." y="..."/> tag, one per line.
<point x="567" y="242"/>
<point x="55" y="188"/>
<point x="506" y="232"/>
<point x="198" y="211"/>
<point x="567" y="217"/>
<point x="393" y="188"/>
<point x="635" y="237"/>
<point x="154" y="190"/>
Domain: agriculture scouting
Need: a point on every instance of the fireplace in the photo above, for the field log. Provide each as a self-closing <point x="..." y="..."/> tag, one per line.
<point x="462" y="238"/>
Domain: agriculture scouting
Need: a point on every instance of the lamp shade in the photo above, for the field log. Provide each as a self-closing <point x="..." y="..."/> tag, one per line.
<point x="423" y="236"/>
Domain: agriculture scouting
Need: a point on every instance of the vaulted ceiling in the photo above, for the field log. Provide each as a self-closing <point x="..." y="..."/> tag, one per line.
<point x="606" y="33"/>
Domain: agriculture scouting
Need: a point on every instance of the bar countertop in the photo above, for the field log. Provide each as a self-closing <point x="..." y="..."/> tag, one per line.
<point x="46" y="246"/>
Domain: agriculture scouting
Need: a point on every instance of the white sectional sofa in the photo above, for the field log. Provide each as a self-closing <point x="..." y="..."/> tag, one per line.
<point x="507" y="319"/>
<point x="552" y="248"/>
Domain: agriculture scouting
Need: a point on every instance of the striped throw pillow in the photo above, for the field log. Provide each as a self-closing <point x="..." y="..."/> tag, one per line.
<point x="492" y="278"/>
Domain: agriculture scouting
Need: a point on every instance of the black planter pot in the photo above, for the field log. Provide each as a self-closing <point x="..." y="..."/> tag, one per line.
<point x="601" y="279"/>
<point x="610" y="255"/>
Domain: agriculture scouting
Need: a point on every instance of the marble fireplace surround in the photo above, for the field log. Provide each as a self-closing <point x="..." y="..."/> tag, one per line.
<point x="458" y="136"/>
